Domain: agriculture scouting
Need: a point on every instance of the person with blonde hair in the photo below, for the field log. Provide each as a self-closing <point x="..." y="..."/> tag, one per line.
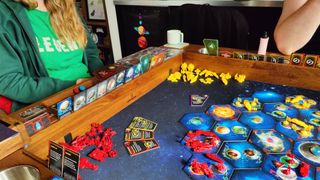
<point x="44" y="48"/>
<point x="297" y="24"/>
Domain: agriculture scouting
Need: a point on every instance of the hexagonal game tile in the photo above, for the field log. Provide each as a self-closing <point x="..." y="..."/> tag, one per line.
<point x="202" y="141"/>
<point x="197" y="121"/>
<point x="250" y="174"/>
<point x="231" y="130"/>
<point x="221" y="169"/>
<point x="241" y="154"/>
<point x="276" y="164"/>
<point x="270" y="141"/>
<point x="257" y="120"/>
<point x="309" y="151"/>
<point x="294" y="129"/>
<point x="311" y="116"/>
<point x="279" y="110"/>
<point x="223" y="112"/>
<point x="246" y="104"/>
<point x="301" y="102"/>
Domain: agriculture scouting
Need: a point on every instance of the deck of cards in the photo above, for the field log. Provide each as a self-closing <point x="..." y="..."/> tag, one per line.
<point x="139" y="136"/>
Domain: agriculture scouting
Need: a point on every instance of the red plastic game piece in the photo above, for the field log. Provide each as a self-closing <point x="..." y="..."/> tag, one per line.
<point x="200" y="146"/>
<point x="286" y="171"/>
<point x="304" y="169"/>
<point x="214" y="158"/>
<point x="98" y="155"/>
<point x="199" y="167"/>
<point x="85" y="163"/>
<point x="277" y="164"/>
<point x="76" y="90"/>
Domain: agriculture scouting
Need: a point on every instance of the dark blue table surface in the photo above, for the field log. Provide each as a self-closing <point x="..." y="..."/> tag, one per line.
<point x="166" y="104"/>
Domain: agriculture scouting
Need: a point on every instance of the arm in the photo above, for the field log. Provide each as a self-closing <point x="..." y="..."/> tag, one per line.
<point x="297" y="24"/>
<point x="15" y="84"/>
<point x="92" y="54"/>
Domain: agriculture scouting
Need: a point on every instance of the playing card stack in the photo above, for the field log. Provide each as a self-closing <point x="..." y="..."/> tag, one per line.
<point x="139" y="136"/>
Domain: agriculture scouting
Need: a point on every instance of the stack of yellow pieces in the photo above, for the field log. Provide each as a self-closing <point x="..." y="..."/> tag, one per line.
<point x="188" y="73"/>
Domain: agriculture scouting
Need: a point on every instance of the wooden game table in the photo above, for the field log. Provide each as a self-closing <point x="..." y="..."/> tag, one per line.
<point x="109" y="105"/>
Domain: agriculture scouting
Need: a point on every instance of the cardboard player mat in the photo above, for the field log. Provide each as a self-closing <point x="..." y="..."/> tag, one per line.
<point x="139" y="147"/>
<point x="142" y="124"/>
<point x="137" y="135"/>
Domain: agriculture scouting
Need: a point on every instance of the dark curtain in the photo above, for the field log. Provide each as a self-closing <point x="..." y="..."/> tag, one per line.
<point x="197" y="22"/>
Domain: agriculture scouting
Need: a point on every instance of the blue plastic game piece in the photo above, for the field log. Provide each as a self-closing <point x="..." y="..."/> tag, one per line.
<point x="82" y="88"/>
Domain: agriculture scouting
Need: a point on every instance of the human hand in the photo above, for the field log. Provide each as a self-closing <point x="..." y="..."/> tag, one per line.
<point x="81" y="80"/>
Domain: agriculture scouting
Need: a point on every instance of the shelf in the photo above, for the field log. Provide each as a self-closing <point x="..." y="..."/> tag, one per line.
<point x="98" y="23"/>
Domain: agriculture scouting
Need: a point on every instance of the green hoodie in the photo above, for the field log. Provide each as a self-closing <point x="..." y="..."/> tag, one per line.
<point x="23" y="76"/>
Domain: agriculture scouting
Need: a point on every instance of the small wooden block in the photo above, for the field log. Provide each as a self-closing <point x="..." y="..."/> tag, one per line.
<point x="310" y="60"/>
<point x="297" y="59"/>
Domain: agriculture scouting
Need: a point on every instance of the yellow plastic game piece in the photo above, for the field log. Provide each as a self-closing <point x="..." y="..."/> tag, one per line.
<point x="224" y="80"/>
<point x="247" y="105"/>
<point x="202" y="80"/>
<point x="203" y="72"/>
<point x="228" y="76"/>
<point x="190" y="67"/>
<point x="215" y="75"/>
<point x="305" y="133"/>
<point x="177" y="75"/>
<point x="285" y="123"/>
<point x="240" y="78"/>
<point x="184" y="77"/>
<point x="184" y="66"/>
<point x="197" y="71"/>
<point x="193" y="80"/>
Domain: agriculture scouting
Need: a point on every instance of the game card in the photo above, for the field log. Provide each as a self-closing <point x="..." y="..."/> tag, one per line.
<point x="102" y="88"/>
<point x="111" y="83"/>
<point x="71" y="162"/>
<point x="138" y="147"/>
<point x="198" y="100"/>
<point x="120" y="78"/>
<point x="92" y="94"/>
<point x="142" y="124"/>
<point x="33" y="112"/>
<point x="55" y="163"/>
<point x="137" y="135"/>
<point x="212" y="46"/>
<point x="79" y="100"/>
<point x="63" y="108"/>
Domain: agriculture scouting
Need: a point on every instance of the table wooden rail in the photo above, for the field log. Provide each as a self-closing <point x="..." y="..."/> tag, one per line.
<point x="102" y="109"/>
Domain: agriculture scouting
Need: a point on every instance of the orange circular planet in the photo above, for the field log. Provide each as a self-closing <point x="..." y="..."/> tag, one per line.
<point x="224" y="112"/>
<point x="142" y="42"/>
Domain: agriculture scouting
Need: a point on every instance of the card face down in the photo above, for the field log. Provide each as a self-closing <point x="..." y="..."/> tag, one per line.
<point x="138" y="147"/>
<point x="142" y="124"/>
